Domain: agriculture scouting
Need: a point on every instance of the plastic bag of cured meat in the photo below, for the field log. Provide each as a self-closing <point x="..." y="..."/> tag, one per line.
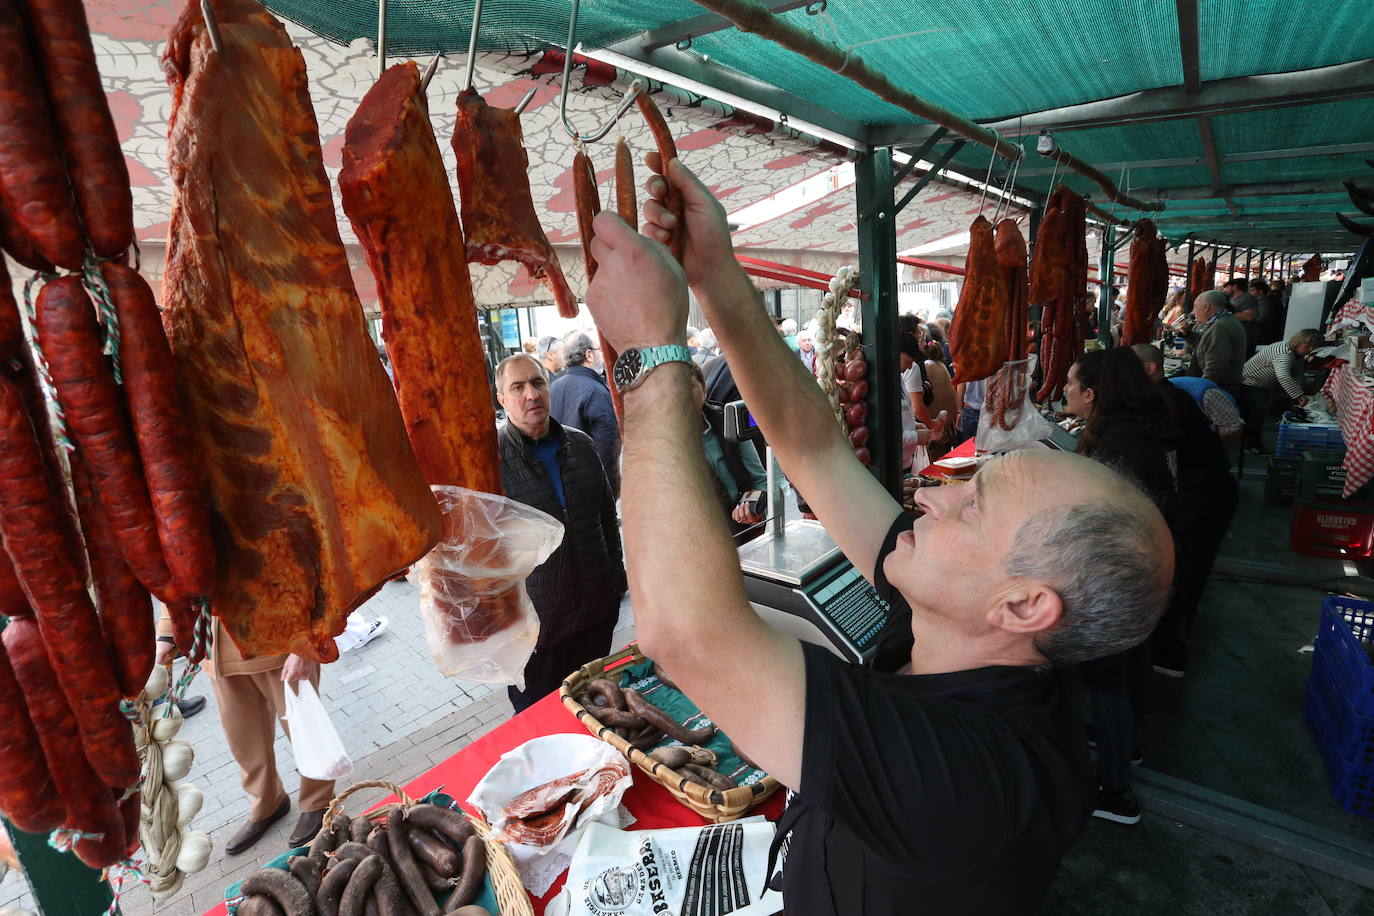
<point x="1009" y="419"/>
<point x="540" y="797"/>
<point x="716" y="870"/>
<point x="480" y="624"/>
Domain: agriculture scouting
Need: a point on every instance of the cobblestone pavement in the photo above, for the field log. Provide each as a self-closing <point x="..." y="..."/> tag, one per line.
<point x="397" y="716"/>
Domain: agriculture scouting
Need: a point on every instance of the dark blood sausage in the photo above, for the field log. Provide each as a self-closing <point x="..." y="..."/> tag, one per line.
<point x="661" y="719"/>
<point x="11" y="328"/>
<point x="27" y="795"/>
<point x="33" y="180"/>
<point x="97" y="419"/>
<point x="285" y="891"/>
<point x="354" y="900"/>
<point x="412" y="882"/>
<point x="447" y="822"/>
<point x="30" y="521"/>
<point x="330" y="838"/>
<point x="307" y="871"/>
<point x="258" y="905"/>
<point x="126" y="611"/>
<point x="434" y="852"/>
<point x="474" y="869"/>
<point x="16" y="243"/>
<point x="155" y="405"/>
<point x="333" y="884"/>
<point x="90" y="806"/>
<point x="90" y="144"/>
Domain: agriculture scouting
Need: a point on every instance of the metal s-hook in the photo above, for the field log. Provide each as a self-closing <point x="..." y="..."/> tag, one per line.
<point x="430" y="70"/>
<point x="212" y="26"/>
<point x="472" y="44"/>
<point x="563" y="91"/>
<point x="381" y="38"/>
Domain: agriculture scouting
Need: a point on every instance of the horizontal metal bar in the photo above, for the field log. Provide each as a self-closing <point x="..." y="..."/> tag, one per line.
<point x="915" y="156"/>
<point x="1336" y="149"/>
<point x="1262" y="92"/>
<point x="1258" y="220"/>
<point x="929" y="176"/>
<point x="1263" y="189"/>
<point x="697" y="26"/>
<point x="673" y="66"/>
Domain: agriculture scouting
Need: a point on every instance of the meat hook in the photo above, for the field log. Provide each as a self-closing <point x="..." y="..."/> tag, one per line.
<point x="563" y="92"/>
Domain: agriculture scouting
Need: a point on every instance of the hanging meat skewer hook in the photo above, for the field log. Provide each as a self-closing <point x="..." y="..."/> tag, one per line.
<point x="430" y="70"/>
<point x="381" y="38"/>
<point x="212" y="26"/>
<point x="529" y="97"/>
<point x="472" y="44"/>
<point x="625" y="103"/>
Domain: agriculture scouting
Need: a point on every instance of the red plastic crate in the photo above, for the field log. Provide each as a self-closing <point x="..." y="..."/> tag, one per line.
<point x="1331" y="531"/>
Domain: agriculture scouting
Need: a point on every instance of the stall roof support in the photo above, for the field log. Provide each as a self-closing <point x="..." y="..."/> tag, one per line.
<point x="1187" y="45"/>
<point x="1104" y="292"/>
<point x="929" y="176"/>
<point x="900" y="175"/>
<point x="878" y="277"/>
<point x="1335" y="83"/>
<point x="1209" y="153"/>
<point x="1224" y="159"/>
<point x="680" y="34"/>
<point x="1265" y="189"/>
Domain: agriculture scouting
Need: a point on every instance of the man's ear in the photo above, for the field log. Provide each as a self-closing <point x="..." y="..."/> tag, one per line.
<point x="1032" y="607"/>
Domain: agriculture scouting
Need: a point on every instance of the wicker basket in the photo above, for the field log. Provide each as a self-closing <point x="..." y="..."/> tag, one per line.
<point x="505" y="880"/>
<point x="712" y="804"/>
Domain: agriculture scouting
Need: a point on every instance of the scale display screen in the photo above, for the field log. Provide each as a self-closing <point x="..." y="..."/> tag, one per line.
<point x="850" y="606"/>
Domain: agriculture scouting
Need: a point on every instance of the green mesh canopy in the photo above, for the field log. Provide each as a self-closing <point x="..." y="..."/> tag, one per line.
<point x="1003" y="61"/>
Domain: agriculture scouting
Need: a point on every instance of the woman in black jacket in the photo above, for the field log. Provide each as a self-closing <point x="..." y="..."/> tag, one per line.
<point x="1130" y="426"/>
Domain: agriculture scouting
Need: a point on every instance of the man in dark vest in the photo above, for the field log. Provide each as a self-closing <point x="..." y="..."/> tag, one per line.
<point x="555" y="469"/>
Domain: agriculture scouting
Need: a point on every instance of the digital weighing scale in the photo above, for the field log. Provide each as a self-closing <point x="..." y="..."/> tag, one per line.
<point x="800" y="583"/>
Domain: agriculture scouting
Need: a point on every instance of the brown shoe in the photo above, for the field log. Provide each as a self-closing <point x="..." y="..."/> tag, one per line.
<point x="306" y="828"/>
<point x="252" y="831"/>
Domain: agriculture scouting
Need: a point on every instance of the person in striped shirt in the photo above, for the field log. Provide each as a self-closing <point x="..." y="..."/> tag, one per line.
<point x="1274" y="367"/>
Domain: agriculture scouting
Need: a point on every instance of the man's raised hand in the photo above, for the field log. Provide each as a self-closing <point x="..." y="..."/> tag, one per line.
<point x="708" y="234"/>
<point x="639" y="296"/>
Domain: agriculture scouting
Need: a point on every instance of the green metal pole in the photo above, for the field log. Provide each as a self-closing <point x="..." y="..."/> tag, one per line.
<point x="60" y="882"/>
<point x="878" y="277"/>
<point x="1104" y="273"/>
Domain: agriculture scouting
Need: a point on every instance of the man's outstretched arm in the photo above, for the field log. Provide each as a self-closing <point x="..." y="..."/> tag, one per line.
<point x="691" y="613"/>
<point x="790" y="407"/>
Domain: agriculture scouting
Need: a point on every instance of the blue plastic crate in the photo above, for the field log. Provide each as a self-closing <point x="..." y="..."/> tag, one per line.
<point x="1351" y="738"/>
<point x="1345" y="640"/>
<point x="1296" y="438"/>
<point x="1352" y="786"/>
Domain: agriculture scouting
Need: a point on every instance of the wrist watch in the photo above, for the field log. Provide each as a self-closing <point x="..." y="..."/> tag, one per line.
<point x="634" y="364"/>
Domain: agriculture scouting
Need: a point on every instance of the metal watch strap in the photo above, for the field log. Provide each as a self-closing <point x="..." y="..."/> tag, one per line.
<point x="648" y="358"/>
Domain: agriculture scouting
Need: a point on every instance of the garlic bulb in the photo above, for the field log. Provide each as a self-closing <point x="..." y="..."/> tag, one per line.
<point x="176" y="759"/>
<point x="157" y="684"/>
<point x="189" y="802"/>
<point x="166" y="722"/>
<point x="195" y="851"/>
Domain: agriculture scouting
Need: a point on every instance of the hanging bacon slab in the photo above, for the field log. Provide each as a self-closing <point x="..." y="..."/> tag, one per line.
<point x="1058" y="284"/>
<point x="977" y="338"/>
<point x="1203" y="279"/>
<point x="1012" y="260"/>
<point x="316" y="495"/>
<point x="498" y="212"/>
<point x="1144" y="290"/>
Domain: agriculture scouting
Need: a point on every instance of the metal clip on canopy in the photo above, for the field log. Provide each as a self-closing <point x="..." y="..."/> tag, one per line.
<point x="563" y="93"/>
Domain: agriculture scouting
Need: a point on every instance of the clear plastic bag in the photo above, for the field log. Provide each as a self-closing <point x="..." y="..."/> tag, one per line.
<point x="314" y="741"/>
<point x="1008" y="419"/>
<point x="480" y="624"/>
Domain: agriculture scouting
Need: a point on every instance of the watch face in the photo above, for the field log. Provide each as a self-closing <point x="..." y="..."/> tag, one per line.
<point x="627" y="367"/>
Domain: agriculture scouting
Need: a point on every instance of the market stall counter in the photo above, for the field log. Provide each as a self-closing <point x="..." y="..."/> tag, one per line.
<point x="651" y="804"/>
<point x="1354" y="397"/>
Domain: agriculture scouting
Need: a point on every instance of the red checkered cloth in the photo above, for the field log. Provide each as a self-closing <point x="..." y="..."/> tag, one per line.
<point x="1354" y="399"/>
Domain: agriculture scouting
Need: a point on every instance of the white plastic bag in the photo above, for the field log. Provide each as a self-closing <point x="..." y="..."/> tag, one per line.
<point x="1008" y="419"/>
<point x="314" y="742"/>
<point x="480" y="624"/>
<point x="718" y="869"/>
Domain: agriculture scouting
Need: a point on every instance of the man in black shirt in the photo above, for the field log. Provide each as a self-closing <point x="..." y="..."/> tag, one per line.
<point x="958" y="782"/>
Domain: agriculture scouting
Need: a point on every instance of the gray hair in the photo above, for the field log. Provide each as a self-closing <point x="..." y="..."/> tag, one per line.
<point x="546" y="344"/>
<point x="1213" y="297"/>
<point x="707" y="339"/>
<point x="576" y="346"/>
<point x="505" y="364"/>
<point x="1102" y="560"/>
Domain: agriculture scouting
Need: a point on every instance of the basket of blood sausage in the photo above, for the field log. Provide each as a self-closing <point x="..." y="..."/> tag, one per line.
<point x="404" y="856"/>
<point x="624" y="700"/>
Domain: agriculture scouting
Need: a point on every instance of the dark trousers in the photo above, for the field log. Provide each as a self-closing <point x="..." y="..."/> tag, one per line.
<point x="968" y="423"/>
<point x="550" y="664"/>
<point x="1117" y="693"/>
<point x="1254" y="402"/>
<point x="1201" y="532"/>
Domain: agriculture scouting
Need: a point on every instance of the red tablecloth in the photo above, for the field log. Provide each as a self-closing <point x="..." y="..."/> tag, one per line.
<point x="1354" y="399"/>
<point x="966" y="449"/>
<point x="651" y="804"/>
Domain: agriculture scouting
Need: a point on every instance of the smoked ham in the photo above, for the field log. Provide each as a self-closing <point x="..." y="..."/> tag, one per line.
<point x="316" y="495"/>
<point x="498" y="211"/>
<point x="977" y="338"/>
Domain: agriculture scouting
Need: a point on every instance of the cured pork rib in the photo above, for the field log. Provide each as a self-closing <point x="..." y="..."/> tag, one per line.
<point x="498" y="211"/>
<point x="978" y="335"/>
<point x="317" y="498"/>
<point x="397" y="197"/>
